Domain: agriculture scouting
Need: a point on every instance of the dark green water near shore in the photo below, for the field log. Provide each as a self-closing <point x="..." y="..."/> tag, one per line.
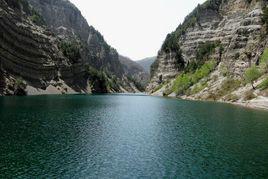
<point x="121" y="136"/>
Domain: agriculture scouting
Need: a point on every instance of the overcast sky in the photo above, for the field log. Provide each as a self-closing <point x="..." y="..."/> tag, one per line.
<point x="136" y="28"/>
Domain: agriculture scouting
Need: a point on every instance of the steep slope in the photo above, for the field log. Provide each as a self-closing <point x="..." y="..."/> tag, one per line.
<point x="135" y="72"/>
<point x="212" y="52"/>
<point x="32" y="60"/>
<point x="146" y="63"/>
<point x="70" y="24"/>
<point x="26" y="50"/>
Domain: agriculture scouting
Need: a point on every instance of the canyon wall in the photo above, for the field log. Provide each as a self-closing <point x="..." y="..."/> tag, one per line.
<point x="230" y="32"/>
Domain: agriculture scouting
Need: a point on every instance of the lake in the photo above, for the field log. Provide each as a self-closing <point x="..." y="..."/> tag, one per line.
<point x="130" y="136"/>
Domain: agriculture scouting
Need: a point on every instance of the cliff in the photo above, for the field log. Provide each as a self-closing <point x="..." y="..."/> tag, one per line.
<point x="66" y="21"/>
<point x="215" y="48"/>
<point x="41" y="54"/>
<point x="29" y="54"/>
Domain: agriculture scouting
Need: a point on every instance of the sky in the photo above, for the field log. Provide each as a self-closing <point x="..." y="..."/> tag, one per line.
<point x="136" y="28"/>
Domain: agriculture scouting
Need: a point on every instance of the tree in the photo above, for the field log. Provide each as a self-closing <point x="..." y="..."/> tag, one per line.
<point x="251" y="75"/>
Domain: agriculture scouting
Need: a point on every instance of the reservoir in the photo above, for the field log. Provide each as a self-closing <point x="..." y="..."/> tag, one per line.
<point x="130" y="136"/>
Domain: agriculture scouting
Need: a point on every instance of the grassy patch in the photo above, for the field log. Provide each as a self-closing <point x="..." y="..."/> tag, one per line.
<point x="263" y="85"/>
<point x="199" y="88"/>
<point x="184" y="81"/>
<point x="252" y="74"/>
<point x="264" y="61"/>
<point x="227" y="87"/>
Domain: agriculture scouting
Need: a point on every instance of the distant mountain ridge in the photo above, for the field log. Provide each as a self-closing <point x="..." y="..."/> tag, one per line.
<point x="146" y="63"/>
<point x="135" y="72"/>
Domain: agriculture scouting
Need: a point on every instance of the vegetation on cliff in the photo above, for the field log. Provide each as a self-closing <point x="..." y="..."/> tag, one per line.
<point x="184" y="81"/>
<point x="71" y="50"/>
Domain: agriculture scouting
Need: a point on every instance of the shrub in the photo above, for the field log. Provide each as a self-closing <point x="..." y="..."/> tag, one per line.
<point x="71" y="50"/>
<point x="263" y="85"/>
<point x="37" y="18"/>
<point x="182" y="83"/>
<point x="205" y="50"/>
<point x="20" y="87"/>
<point x="252" y="74"/>
<point x="198" y="88"/>
<point x="204" y="71"/>
<point x="264" y="60"/>
<point x="98" y="80"/>
<point x="186" y="80"/>
<point x="224" y="71"/>
<point x="227" y="87"/>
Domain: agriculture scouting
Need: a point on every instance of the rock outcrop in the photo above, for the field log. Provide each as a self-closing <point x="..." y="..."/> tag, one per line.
<point x="41" y="54"/>
<point x="71" y="24"/>
<point x="230" y="32"/>
<point x="28" y="51"/>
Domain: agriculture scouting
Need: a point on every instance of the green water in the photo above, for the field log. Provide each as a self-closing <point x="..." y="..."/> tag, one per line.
<point x="120" y="136"/>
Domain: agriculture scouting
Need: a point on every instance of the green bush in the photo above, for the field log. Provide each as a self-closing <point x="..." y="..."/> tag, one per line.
<point x="204" y="71"/>
<point x="37" y="18"/>
<point x="263" y="85"/>
<point x="182" y="83"/>
<point x="186" y="80"/>
<point x="71" y="50"/>
<point x="205" y="50"/>
<point x="198" y="88"/>
<point x="264" y="60"/>
<point x="252" y="74"/>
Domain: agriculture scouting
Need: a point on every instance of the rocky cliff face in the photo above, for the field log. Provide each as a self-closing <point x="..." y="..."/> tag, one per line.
<point x="28" y="52"/>
<point x="231" y="32"/>
<point x="41" y="54"/>
<point x="69" y="23"/>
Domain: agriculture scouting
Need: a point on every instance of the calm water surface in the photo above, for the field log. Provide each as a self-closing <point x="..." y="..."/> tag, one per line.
<point x="120" y="136"/>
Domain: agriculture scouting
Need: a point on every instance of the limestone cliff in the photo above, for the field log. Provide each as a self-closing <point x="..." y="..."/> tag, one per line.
<point x="95" y="51"/>
<point x="41" y="54"/>
<point x="64" y="19"/>
<point x="29" y="53"/>
<point x="232" y="33"/>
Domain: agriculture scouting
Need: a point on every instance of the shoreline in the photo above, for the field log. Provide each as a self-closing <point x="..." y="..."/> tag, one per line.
<point x="259" y="103"/>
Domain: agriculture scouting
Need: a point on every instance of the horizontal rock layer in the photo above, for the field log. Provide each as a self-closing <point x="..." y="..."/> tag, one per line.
<point x="235" y="24"/>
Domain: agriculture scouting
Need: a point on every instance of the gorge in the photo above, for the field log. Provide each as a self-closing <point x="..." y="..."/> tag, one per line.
<point x="72" y="106"/>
